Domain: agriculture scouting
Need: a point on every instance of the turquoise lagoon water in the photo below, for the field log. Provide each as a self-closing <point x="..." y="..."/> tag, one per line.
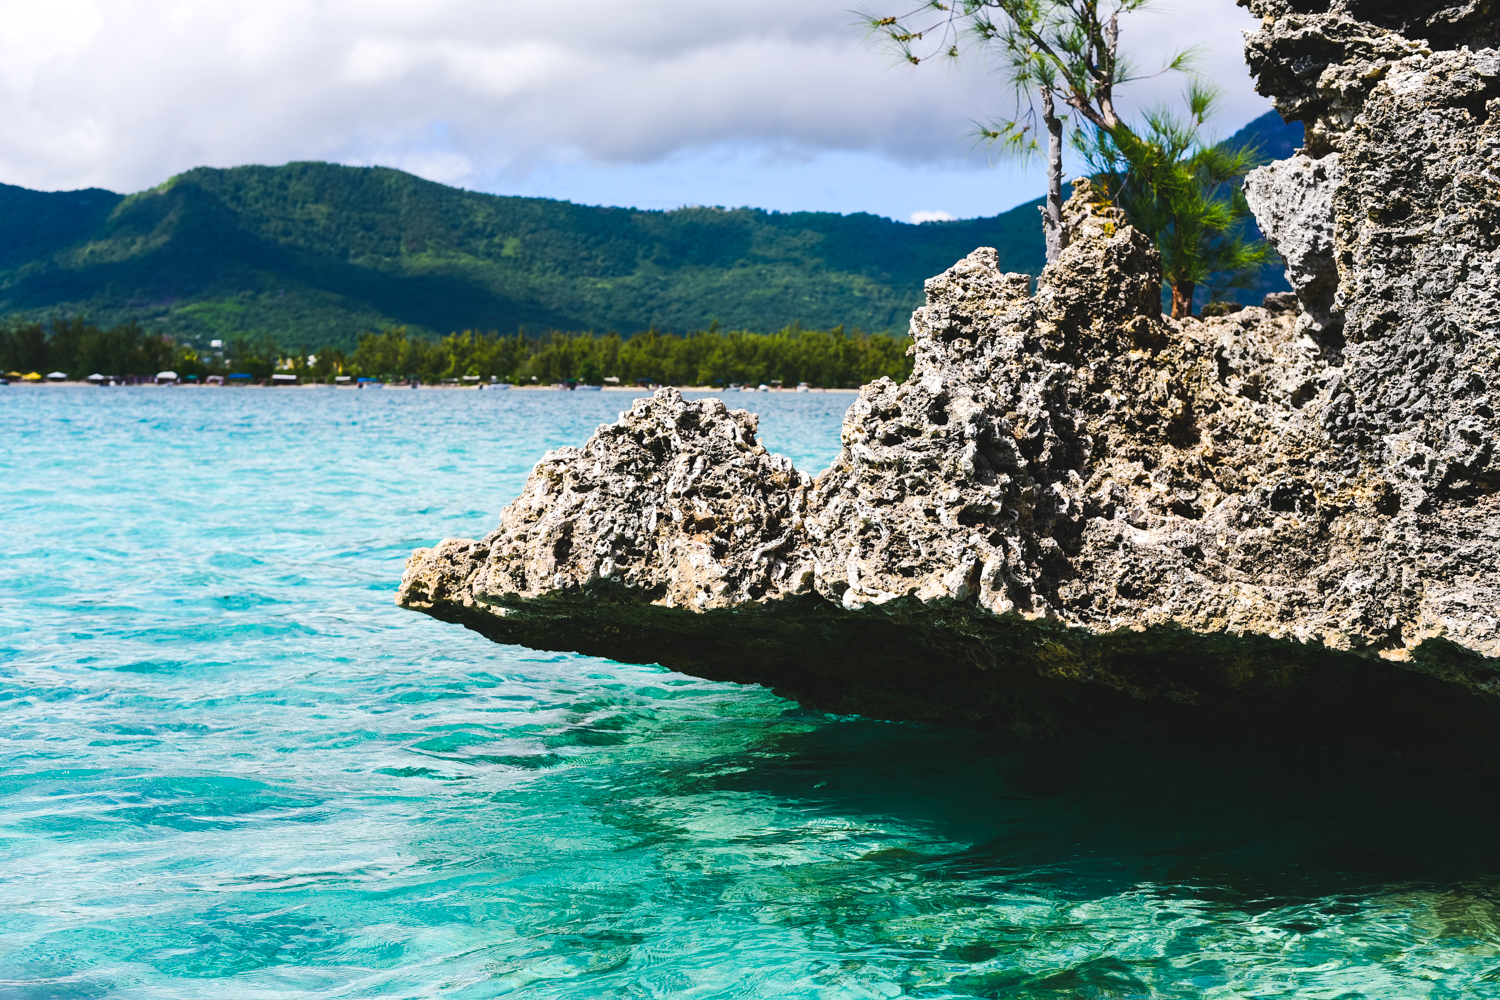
<point x="232" y="768"/>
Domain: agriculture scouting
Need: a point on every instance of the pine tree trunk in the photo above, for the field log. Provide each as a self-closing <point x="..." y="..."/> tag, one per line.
<point x="1053" y="230"/>
<point x="1182" y="299"/>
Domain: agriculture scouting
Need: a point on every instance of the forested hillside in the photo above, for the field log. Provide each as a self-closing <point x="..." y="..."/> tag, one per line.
<point x="315" y="254"/>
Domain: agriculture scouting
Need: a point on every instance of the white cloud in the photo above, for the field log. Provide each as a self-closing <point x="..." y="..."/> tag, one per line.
<point x="484" y="93"/>
<point x="927" y="215"/>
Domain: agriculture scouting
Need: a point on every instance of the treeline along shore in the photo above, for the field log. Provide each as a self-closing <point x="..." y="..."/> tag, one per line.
<point x="833" y="358"/>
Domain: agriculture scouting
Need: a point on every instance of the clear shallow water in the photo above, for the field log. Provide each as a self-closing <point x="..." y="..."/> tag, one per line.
<point x="231" y="768"/>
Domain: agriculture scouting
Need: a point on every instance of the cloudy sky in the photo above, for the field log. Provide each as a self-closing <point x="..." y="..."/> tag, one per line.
<point x="780" y="104"/>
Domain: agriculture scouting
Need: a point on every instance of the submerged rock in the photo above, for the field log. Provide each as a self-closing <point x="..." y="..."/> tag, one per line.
<point x="1077" y="516"/>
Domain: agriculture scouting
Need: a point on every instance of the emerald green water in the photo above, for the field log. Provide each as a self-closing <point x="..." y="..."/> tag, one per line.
<point x="232" y="768"/>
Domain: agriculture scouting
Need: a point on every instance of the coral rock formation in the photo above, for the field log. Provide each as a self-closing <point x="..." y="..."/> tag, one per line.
<point x="1078" y="516"/>
<point x="1293" y="201"/>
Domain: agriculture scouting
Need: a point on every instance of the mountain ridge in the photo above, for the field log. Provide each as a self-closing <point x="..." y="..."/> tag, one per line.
<point x="318" y="253"/>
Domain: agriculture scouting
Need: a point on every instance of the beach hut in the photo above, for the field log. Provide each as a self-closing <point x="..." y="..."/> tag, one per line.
<point x="57" y="376"/>
<point x="214" y="380"/>
<point x="240" y="378"/>
<point x="166" y="378"/>
<point x="342" y="379"/>
<point x="283" y="379"/>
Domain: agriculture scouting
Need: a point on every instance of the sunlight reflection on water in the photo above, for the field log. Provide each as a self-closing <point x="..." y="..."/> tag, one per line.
<point x="234" y="768"/>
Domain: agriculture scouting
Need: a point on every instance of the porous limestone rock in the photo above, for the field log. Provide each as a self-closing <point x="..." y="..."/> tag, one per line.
<point x="1293" y="201"/>
<point x="1319" y="59"/>
<point x="1400" y="103"/>
<point x="1074" y="516"/>
<point x="1077" y="516"/>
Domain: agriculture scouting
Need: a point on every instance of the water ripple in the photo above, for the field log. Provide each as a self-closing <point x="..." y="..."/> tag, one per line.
<point x="232" y="768"/>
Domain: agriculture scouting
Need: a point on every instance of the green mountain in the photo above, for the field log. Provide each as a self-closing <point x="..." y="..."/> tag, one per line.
<point x="314" y="253"/>
<point x="1272" y="137"/>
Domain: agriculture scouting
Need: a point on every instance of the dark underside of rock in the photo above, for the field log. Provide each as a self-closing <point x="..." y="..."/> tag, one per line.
<point x="1077" y="517"/>
<point x="954" y="666"/>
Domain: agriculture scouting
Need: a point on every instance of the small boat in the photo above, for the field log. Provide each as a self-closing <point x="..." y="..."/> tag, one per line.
<point x="589" y="388"/>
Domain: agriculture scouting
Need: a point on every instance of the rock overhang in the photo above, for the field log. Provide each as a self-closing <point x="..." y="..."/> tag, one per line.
<point x="1077" y="516"/>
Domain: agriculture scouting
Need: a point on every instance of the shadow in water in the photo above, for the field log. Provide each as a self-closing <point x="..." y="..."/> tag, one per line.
<point x="1256" y="826"/>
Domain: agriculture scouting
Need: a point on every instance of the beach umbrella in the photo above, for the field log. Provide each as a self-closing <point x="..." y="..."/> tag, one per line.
<point x="57" y="376"/>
